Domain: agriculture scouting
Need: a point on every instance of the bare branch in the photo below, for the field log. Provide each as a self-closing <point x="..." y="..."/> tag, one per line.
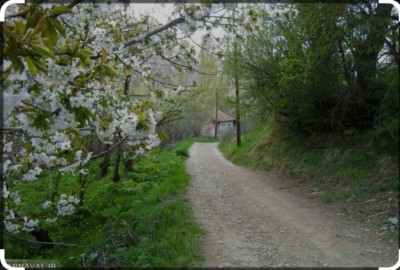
<point x="74" y="3"/>
<point x="38" y="242"/>
<point x="201" y="47"/>
<point x="138" y="95"/>
<point x="19" y="129"/>
<point x="165" y="84"/>
<point x="185" y="66"/>
<point x="166" y="119"/>
<point x="146" y="59"/>
<point x="21" y="14"/>
<point x="11" y="130"/>
<point x="155" y="31"/>
<point x="108" y="150"/>
<point x="35" y="106"/>
<point x="170" y="120"/>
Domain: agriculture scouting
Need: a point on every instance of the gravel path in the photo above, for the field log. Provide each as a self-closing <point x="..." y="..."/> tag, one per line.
<point x="252" y="221"/>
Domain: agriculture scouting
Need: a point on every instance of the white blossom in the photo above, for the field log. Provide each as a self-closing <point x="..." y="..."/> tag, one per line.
<point x="51" y="220"/>
<point x="32" y="174"/>
<point x="84" y="171"/>
<point x="140" y="151"/>
<point x="11" y="227"/>
<point x="7" y="147"/>
<point x="6" y="165"/>
<point x="29" y="225"/>
<point x="152" y="141"/>
<point x="10" y="215"/>
<point x="46" y="204"/>
<point x="12" y="100"/>
<point x="15" y="197"/>
<point x="5" y="191"/>
<point x="65" y="205"/>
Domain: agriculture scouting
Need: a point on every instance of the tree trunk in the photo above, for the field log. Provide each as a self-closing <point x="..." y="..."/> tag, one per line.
<point x="105" y="163"/>
<point x="83" y="181"/>
<point x="116" y="176"/>
<point x="216" y="116"/>
<point x="42" y="235"/>
<point x="128" y="165"/>
<point x="127" y="83"/>
<point x="57" y="184"/>
<point x="238" y="131"/>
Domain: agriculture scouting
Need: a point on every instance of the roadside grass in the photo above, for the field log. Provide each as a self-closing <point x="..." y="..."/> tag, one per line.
<point x="243" y="155"/>
<point x="342" y="167"/>
<point x="144" y="220"/>
<point x="332" y="195"/>
<point x="183" y="148"/>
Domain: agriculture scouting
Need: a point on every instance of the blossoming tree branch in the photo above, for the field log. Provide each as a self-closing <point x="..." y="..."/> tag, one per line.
<point x="67" y="72"/>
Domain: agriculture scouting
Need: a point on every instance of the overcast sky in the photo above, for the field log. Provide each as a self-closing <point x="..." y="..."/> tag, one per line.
<point x="162" y="12"/>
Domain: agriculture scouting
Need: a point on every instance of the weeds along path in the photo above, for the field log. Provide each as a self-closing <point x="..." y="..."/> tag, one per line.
<point x="251" y="221"/>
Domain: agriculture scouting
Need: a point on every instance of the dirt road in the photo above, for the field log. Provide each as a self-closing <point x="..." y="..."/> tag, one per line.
<point x="252" y="221"/>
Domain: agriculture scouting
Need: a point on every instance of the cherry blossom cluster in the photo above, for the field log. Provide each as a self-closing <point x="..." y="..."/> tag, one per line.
<point x="68" y="80"/>
<point x="81" y="89"/>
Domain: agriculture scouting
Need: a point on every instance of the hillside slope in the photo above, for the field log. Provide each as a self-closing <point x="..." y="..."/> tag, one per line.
<point x="360" y="176"/>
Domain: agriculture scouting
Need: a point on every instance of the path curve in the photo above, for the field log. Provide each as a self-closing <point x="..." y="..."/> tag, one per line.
<point x="252" y="222"/>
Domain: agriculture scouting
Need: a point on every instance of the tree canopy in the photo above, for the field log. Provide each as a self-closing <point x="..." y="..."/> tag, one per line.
<point x="325" y="67"/>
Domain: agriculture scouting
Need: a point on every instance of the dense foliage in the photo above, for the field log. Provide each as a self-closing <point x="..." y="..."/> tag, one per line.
<point x="326" y="67"/>
<point x="142" y="221"/>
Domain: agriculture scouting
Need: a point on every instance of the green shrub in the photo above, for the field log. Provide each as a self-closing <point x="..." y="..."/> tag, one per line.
<point x="182" y="152"/>
<point x="333" y="195"/>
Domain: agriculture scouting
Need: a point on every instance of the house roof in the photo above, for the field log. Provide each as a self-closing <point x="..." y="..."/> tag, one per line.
<point x="223" y="117"/>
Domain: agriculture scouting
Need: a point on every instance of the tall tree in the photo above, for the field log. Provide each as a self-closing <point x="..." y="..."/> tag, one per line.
<point x="237" y="93"/>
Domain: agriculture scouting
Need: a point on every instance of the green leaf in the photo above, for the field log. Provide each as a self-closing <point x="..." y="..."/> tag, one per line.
<point x="17" y="64"/>
<point x="25" y="165"/>
<point x="29" y="148"/>
<point x="58" y="26"/>
<point x="42" y="50"/>
<point x="103" y="55"/>
<point x="111" y="71"/>
<point x="76" y="131"/>
<point x="49" y="34"/>
<point x="31" y="65"/>
<point x="142" y="116"/>
<point x="21" y="27"/>
<point x="27" y="109"/>
<point x="40" y="120"/>
<point x="39" y="64"/>
<point x="61" y="10"/>
<point x="40" y="25"/>
<point x="85" y="60"/>
<point x="82" y="114"/>
<point x="32" y="19"/>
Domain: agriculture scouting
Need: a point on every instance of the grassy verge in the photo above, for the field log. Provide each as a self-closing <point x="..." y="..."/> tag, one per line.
<point x="143" y="221"/>
<point x="338" y="168"/>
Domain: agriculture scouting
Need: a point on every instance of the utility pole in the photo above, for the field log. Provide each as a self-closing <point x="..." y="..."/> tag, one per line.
<point x="216" y="106"/>
<point x="216" y="115"/>
<point x="236" y="71"/>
